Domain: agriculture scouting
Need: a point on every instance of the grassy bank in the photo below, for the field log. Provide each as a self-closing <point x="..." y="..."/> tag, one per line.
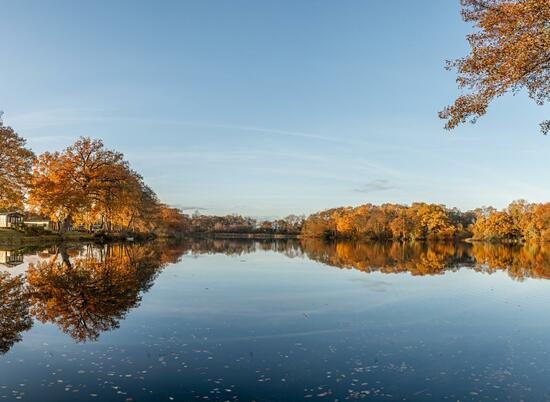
<point x="10" y="237"/>
<point x="14" y="238"/>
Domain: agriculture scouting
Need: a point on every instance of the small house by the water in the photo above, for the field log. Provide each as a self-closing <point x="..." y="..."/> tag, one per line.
<point x="10" y="219"/>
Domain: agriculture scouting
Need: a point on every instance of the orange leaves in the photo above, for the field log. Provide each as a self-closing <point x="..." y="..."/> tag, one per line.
<point x="87" y="184"/>
<point x="15" y="168"/>
<point x="520" y="221"/>
<point x="419" y="221"/>
<point x="510" y="50"/>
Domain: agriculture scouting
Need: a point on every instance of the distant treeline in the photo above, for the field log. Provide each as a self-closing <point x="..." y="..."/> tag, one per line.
<point x="520" y="221"/>
<point x="235" y="224"/>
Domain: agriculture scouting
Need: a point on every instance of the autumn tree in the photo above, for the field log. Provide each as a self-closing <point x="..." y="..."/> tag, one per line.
<point x="496" y="226"/>
<point x="292" y="224"/>
<point x="402" y="226"/>
<point x="171" y="221"/>
<point x="433" y="221"/>
<point x="87" y="184"/>
<point x="541" y="221"/>
<point x="15" y="168"/>
<point x="144" y="210"/>
<point x="344" y="223"/>
<point x="509" y="51"/>
<point x="320" y="224"/>
<point x="521" y="213"/>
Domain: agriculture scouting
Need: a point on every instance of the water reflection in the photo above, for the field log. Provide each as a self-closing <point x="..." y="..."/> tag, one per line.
<point x="14" y="310"/>
<point x="10" y="258"/>
<point x="392" y="257"/>
<point x="518" y="261"/>
<point x="92" y="291"/>
<point x="531" y="260"/>
<point x="290" y="248"/>
<point x="86" y="290"/>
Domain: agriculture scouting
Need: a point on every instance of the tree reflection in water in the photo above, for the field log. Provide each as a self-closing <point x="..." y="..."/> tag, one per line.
<point x="518" y="261"/>
<point x="91" y="292"/>
<point x="14" y="310"/>
<point x="88" y="290"/>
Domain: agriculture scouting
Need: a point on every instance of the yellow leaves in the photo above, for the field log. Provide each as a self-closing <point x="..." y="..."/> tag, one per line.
<point x="344" y="222"/>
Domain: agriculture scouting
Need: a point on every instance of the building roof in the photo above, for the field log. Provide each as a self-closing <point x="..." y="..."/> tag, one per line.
<point x="10" y="213"/>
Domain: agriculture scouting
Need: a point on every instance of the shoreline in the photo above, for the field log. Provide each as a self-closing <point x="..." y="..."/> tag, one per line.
<point x="12" y="238"/>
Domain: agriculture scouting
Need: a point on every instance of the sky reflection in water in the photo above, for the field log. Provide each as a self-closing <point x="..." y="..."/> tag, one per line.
<point x="236" y="320"/>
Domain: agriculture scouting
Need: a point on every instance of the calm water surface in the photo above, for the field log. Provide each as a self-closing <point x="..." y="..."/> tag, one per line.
<point x="275" y="321"/>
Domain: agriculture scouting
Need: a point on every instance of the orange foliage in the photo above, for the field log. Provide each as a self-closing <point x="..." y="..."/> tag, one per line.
<point x="15" y="168"/>
<point x="509" y="50"/>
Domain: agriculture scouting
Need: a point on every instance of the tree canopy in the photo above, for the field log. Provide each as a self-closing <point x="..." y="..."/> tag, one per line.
<point x="509" y="51"/>
<point x="88" y="184"/>
<point x="16" y="162"/>
<point x="418" y="221"/>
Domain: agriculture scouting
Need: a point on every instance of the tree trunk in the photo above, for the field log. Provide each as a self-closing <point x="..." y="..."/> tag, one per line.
<point x="65" y="225"/>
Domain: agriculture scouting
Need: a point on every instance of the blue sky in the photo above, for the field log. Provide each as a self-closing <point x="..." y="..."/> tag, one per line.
<point x="267" y="108"/>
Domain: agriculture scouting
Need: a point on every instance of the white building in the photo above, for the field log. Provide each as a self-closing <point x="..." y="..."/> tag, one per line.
<point x="10" y="219"/>
<point x="38" y="221"/>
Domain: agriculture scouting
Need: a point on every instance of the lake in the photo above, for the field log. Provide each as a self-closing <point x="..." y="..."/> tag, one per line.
<point x="234" y="320"/>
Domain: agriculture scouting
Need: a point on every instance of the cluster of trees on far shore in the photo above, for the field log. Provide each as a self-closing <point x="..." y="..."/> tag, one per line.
<point x="420" y="221"/>
<point x="520" y="221"/>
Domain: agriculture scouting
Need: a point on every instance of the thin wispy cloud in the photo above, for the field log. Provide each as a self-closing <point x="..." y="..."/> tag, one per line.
<point x="67" y="116"/>
<point x="226" y="126"/>
<point x="374" y="186"/>
<point x="164" y="155"/>
<point x="62" y="117"/>
<point x="70" y="115"/>
<point x="264" y="130"/>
